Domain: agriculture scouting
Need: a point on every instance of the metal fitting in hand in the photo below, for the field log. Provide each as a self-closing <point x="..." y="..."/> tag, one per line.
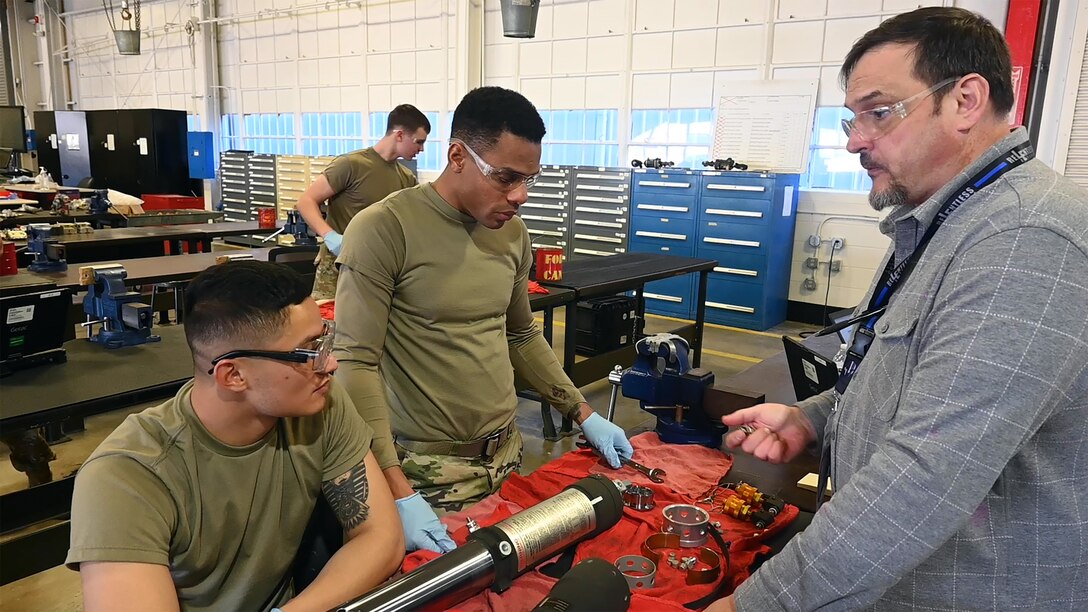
<point x="638" y="498"/>
<point x="639" y="571"/>
<point x="472" y="525"/>
<point x="690" y="523"/>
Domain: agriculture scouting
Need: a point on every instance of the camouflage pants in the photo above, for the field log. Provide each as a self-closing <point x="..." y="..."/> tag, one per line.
<point x="451" y="483"/>
<point x="325" y="276"/>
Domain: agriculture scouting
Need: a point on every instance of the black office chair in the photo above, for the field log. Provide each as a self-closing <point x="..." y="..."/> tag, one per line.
<point x="86" y="182"/>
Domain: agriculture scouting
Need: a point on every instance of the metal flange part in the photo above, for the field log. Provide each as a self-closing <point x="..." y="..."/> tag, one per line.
<point x="639" y="571"/>
<point x="690" y="523"/>
<point x="638" y="498"/>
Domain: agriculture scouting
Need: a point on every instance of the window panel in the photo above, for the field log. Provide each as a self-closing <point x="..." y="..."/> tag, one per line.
<point x="580" y="137"/>
<point x="830" y="165"/>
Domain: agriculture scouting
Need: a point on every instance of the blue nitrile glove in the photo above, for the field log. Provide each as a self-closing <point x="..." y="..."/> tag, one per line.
<point x="607" y="438"/>
<point x="422" y="529"/>
<point x="333" y="241"/>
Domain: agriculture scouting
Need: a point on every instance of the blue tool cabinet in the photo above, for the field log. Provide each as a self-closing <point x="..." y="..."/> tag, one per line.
<point x="744" y="220"/>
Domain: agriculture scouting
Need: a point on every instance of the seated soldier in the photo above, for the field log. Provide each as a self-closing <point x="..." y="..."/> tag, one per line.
<point x="200" y="503"/>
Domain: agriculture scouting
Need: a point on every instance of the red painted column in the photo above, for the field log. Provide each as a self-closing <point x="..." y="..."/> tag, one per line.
<point x="1020" y="31"/>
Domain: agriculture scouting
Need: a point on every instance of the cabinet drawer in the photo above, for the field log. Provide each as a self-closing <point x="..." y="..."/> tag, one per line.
<point x="663" y="225"/>
<point x="734" y="297"/>
<point x="742" y="187"/>
<point x="663" y="205"/>
<point x="736" y="266"/>
<point x="533" y="218"/>
<point x="733" y="210"/>
<point x="671" y="296"/>
<point x="739" y="237"/>
<point x="664" y="183"/>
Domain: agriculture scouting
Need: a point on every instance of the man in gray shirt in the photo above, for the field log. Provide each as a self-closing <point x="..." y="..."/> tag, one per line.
<point x="959" y="446"/>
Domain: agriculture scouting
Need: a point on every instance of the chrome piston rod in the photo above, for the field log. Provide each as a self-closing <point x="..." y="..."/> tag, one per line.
<point x="495" y="555"/>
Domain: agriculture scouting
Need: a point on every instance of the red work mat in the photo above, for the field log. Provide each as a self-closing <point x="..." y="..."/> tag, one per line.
<point x="692" y="471"/>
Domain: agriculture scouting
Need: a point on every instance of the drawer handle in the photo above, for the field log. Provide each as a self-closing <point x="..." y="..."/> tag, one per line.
<point x="544" y="206"/>
<point x="550" y="196"/>
<point x="664" y="184"/>
<point x="680" y="237"/>
<point x="756" y="188"/>
<point x="593" y="223"/>
<point x="545" y="232"/>
<point x="542" y="218"/>
<point x="583" y="198"/>
<point x="592" y="252"/>
<point x="607" y="177"/>
<point x="746" y="243"/>
<point x="738" y="271"/>
<point x="663" y="298"/>
<point x="734" y="213"/>
<point x="554" y="174"/>
<point x="599" y="238"/>
<point x="601" y="211"/>
<point x="603" y="188"/>
<point x="663" y="208"/>
<point x="553" y="185"/>
<point x="734" y="307"/>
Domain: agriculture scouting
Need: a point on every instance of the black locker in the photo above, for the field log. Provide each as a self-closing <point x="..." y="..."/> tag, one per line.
<point x="106" y="166"/>
<point x="63" y="147"/>
<point x="141" y="151"/>
<point x="156" y="143"/>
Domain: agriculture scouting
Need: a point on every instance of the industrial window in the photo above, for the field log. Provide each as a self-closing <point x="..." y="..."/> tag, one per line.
<point x="230" y="132"/>
<point x="581" y="137"/>
<point x="830" y="165"/>
<point x="272" y="133"/>
<point x="433" y="156"/>
<point x="682" y="136"/>
<point x="331" y="133"/>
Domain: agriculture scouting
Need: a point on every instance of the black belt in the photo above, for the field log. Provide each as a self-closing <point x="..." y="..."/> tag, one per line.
<point x="485" y="447"/>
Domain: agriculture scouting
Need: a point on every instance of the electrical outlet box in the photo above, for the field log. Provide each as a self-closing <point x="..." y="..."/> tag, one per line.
<point x="812" y="263"/>
<point x="808" y="284"/>
<point x="836" y="266"/>
<point x="837" y="243"/>
<point x="814" y="241"/>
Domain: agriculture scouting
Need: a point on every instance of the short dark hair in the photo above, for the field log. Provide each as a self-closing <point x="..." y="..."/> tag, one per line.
<point x="407" y="118"/>
<point x="486" y="112"/>
<point x="241" y="301"/>
<point x="949" y="43"/>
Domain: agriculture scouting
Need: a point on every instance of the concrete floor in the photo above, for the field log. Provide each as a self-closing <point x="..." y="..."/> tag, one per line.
<point x="727" y="351"/>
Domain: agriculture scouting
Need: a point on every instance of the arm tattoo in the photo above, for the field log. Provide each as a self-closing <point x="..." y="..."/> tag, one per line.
<point x="347" y="495"/>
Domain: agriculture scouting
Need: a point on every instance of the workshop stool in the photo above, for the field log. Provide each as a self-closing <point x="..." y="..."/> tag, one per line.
<point x="178" y="287"/>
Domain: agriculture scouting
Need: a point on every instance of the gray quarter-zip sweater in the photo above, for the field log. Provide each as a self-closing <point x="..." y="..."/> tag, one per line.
<point x="960" y="449"/>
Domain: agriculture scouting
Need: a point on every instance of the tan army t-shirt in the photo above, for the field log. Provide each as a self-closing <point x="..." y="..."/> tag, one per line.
<point x="359" y="179"/>
<point x="226" y="520"/>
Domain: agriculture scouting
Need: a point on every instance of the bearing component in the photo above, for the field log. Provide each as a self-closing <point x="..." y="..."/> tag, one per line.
<point x="639" y="571"/>
<point x="690" y="523"/>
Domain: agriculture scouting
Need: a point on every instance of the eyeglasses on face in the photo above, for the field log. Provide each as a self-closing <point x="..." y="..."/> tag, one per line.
<point x="876" y="122"/>
<point x="504" y="178"/>
<point x="317" y="351"/>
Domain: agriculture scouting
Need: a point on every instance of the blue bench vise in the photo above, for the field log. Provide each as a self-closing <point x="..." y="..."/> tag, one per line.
<point x="48" y="255"/>
<point x="666" y="386"/>
<point x="299" y="229"/>
<point x="100" y="202"/>
<point x="125" y="320"/>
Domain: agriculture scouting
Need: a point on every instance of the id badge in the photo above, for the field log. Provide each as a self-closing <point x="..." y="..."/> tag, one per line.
<point x="859" y="345"/>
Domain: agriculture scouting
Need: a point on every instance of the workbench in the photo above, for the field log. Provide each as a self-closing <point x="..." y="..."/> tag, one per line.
<point x="115" y="219"/>
<point x="598" y="277"/>
<point x="129" y="242"/>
